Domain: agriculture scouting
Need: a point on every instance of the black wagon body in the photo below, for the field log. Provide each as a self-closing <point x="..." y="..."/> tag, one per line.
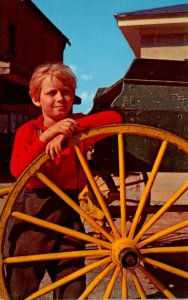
<point x="153" y="92"/>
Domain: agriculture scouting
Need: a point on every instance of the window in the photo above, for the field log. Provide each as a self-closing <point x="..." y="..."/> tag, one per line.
<point x="12" y="41"/>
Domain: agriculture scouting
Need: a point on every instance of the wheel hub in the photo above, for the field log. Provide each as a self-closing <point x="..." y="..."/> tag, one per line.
<point x="125" y="253"/>
<point x="129" y="258"/>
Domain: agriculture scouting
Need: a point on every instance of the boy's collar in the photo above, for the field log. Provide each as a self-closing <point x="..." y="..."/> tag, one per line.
<point x="40" y="124"/>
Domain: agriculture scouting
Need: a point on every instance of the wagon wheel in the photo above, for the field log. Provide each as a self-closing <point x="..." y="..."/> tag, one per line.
<point x="123" y="252"/>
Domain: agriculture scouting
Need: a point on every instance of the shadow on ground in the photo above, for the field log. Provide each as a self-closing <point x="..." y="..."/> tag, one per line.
<point x="176" y="284"/>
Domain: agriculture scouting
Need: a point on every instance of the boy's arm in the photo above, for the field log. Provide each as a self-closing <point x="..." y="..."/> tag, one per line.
<point x="27" y="146"/>
<point x="97" y="120"/>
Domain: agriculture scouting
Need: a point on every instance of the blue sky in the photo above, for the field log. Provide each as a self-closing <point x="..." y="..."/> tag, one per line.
<point x="99" y="55"/>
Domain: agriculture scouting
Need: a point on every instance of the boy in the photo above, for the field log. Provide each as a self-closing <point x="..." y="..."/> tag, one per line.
<point x="52" y="88"/>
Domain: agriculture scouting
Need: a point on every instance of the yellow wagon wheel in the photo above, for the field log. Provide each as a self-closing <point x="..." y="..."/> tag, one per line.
<point x="124" y="255"/>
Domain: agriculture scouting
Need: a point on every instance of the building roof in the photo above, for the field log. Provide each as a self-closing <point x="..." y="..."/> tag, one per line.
<point x="174" y="9"/>
<point x="38" y="11"/>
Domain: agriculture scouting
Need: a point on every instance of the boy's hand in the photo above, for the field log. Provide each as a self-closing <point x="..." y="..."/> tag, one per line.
<point x="54" y="147"/>
<point x="67" y="127"/>
<point x="62" y="130"/>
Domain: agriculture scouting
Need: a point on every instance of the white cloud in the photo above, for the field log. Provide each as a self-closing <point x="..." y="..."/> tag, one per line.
<point x="85" y="96"/>
<point x="86" y="104"/>
<point x="73" y="68"/>
<point x="80" y="74"/>
<point x="86" y="77"/>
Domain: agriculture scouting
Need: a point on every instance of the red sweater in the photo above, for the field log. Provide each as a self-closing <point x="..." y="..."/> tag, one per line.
<point x="63" y="170"/>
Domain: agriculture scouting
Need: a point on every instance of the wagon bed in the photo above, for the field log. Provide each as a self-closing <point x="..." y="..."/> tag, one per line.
<point x="155" y="93"/>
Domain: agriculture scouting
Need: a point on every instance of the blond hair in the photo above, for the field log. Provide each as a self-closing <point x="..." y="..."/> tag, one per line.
<point x="59" y="70"/>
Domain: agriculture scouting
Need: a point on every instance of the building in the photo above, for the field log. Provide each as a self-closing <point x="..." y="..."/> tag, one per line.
<point x="27" y="39"/>
<point x="160" y="33"/>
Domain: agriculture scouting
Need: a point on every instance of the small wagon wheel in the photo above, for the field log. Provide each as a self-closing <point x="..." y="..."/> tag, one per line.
<point x="131" y="256"/>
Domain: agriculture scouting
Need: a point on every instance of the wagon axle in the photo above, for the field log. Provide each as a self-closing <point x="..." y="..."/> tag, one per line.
<point x="129" y="258"/>
<point x="125" y="253"/>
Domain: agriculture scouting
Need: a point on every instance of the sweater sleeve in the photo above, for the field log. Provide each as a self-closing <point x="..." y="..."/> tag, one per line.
<point x="27" y="146"/>
<point x="96" y="120"/>
<point x="100" y="119"/>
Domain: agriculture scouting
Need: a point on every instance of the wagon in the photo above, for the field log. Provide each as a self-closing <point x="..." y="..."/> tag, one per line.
<point x="136" y="232"/>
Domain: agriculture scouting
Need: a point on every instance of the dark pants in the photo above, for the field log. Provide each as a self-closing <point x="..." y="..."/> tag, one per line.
<point x="26" y="239"/>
